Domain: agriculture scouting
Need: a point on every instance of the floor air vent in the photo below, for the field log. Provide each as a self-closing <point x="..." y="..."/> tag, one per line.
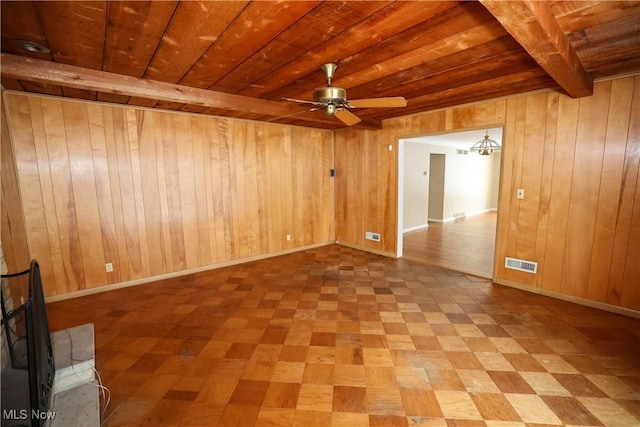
<point x="521" y="265"/>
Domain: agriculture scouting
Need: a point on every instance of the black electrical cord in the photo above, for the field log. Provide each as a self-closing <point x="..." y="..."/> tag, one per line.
<point x="7" y="276"/>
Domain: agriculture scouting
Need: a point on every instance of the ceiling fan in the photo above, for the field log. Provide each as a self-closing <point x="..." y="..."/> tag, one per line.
<point x="333" y="100"/>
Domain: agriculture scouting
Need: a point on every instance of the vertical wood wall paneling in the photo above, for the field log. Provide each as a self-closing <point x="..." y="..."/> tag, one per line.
<point x="370" y="190"/>
<point x="199" y="137"/>
<point x="378" y="200"/>
<point x="250" y="190"/>
<point x="585" y="187"/>
<point x="212" y="205"/>
<point x="113" y="201"/>
<point x="127" y="160"/>
<point x="386" y="203"/>
<point x="514" y="205"/>
<point x="156" y="192"/>
<point x="14" y="234"/>
<point x="530" y="179"/>
<point x="329" y="198"/>
<point x="609" y="194"/>
<point x="188" y="210"/>
<point x="227" y="190"/>
<point x="239" y="209"/>
<point x="349" y="186"/>
<point x="64" y="200"/>
<point x="39" y="207"/>
<point x="100" y="168"/>
<point x="315" y="203"/>
<point x="261" y="190"/>
<point x="631" y="285"/>
<point x="151" y="207"/>
<point x="546" y="184"/>
<point x="578" y="161"/>
<point x="504" y="194"/>
<point x="83" y="181"/>
<point x="288" y="199"/>
<point x="171" y="140"/>
<point x="299" y="198"/>
<point x="561" y="180"/>
<point x="133" y="134"/>
<point x="276" y="236"/>
<point x="629" y="215"/>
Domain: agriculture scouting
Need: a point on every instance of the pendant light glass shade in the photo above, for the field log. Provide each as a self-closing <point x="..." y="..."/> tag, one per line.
<point x="485" y="146"/>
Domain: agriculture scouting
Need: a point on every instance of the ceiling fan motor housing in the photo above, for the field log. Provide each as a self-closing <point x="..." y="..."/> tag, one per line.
<point x="330" y="95"/>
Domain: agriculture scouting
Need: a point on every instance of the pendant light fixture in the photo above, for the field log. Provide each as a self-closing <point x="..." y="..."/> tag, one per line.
<point x="485" y="146"/>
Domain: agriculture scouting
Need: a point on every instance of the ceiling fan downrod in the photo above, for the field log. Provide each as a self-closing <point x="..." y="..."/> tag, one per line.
<point x="331" y="97"/>
<point x="329" y="70"/>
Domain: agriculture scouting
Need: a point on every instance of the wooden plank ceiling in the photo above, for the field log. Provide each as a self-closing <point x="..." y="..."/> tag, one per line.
<point x="241" y="58"/>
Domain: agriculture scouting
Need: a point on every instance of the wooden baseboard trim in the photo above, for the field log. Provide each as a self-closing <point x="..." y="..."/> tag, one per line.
<point x="570" y="298"/>
<point x="120" y="285"/>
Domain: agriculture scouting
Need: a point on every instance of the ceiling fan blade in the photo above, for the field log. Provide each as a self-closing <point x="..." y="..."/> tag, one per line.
<point x="293" y="114"/>
<point x="388" y="102"/>
<point x="346" y="117"/>
<point x="302" y="101"/>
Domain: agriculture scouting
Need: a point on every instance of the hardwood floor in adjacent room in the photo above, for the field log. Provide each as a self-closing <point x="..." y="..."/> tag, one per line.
<point x="338" y="337"/>
<point x="466" y="245"/>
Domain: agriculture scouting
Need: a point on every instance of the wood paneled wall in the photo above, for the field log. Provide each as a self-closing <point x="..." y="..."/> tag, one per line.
<point x="577" y="160"/>
<point x="156" y="193"/>
<point x="12" y="229"/>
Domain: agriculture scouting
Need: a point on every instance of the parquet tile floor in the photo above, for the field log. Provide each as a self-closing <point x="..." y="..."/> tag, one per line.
<point x="338" y="337"/>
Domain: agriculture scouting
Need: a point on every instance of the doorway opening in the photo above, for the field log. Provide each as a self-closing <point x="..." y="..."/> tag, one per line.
<point x="448" y="201"/>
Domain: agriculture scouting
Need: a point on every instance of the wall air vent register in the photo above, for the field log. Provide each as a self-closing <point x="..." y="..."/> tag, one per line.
<point x="521" y="265"/>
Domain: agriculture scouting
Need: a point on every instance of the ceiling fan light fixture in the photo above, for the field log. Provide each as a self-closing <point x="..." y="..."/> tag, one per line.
<point x="485" y="146"/>
<point x="330" y="109"/>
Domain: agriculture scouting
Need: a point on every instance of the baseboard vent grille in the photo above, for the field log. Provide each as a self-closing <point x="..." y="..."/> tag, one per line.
<point x="521" y="265"/>
<point x="372" y="236"/>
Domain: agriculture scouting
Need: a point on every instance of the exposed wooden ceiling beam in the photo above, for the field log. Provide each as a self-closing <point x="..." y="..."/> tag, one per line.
<point x="532" y="25"/>
<point x="47" y="72"/>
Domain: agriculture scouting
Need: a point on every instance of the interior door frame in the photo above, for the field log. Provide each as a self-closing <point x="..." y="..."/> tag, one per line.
<point x="400" y="180"/>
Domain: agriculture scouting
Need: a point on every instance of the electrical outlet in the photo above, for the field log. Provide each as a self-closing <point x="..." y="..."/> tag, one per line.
<point x="109" y="267"/>
<point x="520" y="193"/>
<point x="288" y="237"/>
